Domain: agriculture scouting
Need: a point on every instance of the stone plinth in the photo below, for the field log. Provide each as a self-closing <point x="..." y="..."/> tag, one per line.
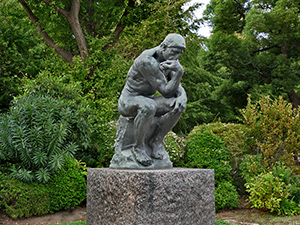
<point x="143" y="197"/>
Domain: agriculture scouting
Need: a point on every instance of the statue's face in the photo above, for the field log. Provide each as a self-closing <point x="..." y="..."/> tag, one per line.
<point x="172" y="53"/>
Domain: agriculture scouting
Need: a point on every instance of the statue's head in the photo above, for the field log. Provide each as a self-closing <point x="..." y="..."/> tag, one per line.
<point x="174" y="41"/>
<point x="173" y="46"/>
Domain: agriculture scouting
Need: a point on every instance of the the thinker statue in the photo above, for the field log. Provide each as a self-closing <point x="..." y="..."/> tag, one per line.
<point x="146" y="118"/>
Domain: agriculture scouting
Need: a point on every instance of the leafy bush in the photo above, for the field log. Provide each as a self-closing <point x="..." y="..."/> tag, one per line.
<point x="267" y="192"/>
<point x="69" y="94"/>
<point x="238" y="143"/>
<point x="65" y="190"/>
<point x="105" y="143"/>
<point x="175" y="146"/>
<point x="35" y="136"/>
<point x="67" y="187"/>
<point x="276" y="128"/>
<point x="22" y="199"/>
<point x="234" y="135"/>
<point x="226" y="196"/>
<point x="206" y="150"/>
<point x="251" y="166"/>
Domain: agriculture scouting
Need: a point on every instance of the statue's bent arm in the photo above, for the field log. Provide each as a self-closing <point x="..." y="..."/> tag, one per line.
<point x="150" y="70"/>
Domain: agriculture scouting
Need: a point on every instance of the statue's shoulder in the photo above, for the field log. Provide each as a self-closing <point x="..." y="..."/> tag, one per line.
<point x="147" y="56"/>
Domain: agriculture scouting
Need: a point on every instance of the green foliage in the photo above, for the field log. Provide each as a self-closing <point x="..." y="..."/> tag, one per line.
<point x="238" y="143"/>
<point x="22" y="52"/>
<point x="267" y="192"/>
<point x="69" y="95"/>
<point x="206" y="150"/>
<point x="67" y="187"/>
<point x="105" y="143"/>
<point x="21" y="199"/>
<point x="251" y="166"/>
<point x="65" y="190"/>
<point x="36" y="136"/>
<point x="255" y="50"/>
<point x="218" y="222"/>
<point x="226" y="196"/>
<point x="235" y="137"/>
<point x="175" y="147"/>
<point x="275" y="127"/>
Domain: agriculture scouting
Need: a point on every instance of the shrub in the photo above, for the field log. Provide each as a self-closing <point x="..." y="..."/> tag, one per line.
<point x="226" y="196"/>
<point x="69" y="94"/>
<point x="21" y="199"/>
<point x="238" y="143"/>
<point x="35" y="136"/>
<point x="251" y="166"/>
<point x="67" y="187"/>
<point x="175" y="146"/>
<point x="206" y="150"/>
<point x="105" y="143"/>
<point x="276" y="128"/>
<point x="65" y="190"/>
<point x="234" y="135"/>
<point x="267" y="192"/>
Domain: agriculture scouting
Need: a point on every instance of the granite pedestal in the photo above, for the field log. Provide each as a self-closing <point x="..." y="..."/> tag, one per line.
<point x="143" y="197"/>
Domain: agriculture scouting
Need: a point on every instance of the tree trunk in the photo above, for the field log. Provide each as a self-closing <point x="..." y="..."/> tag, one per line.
<point x="73" y="18"/>
<point x="294" y="99"/>
<point x="65" y="54"/>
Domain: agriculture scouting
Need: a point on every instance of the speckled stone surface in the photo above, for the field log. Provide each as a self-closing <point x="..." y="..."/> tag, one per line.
<point x="143" y="197"/>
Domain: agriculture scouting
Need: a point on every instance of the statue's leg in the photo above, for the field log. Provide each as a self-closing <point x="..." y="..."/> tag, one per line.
<point x="165" y="120"/>
<point x="143" y="110"/>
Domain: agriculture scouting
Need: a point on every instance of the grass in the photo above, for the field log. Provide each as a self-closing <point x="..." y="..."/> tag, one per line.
<point x="218" y="222"/>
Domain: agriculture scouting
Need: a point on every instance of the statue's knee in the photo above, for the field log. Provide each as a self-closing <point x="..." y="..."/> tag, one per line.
<point x="149" y="109"/>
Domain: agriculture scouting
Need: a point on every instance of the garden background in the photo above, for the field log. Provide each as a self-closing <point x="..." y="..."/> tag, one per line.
<point x="63" y="66"/>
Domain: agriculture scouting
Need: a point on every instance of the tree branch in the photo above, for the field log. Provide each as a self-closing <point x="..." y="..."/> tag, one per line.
<point x="62" y="11"/>
<point x="73" y="19"/>
<point x="65" y="54"/>
<point x="293" y="45"/>
<point x="120" y="26"/>
<point x="265" y="49"/>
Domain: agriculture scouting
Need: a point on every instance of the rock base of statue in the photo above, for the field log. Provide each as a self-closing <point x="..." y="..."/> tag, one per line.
<point x="170" y="196"/>
<point x="123" y="158"/>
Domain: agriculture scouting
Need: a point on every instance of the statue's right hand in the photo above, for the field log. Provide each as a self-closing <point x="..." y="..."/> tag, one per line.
<point x="170" y="65"/>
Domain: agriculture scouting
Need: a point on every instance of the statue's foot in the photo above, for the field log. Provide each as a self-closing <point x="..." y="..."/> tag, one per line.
<point x="158" y="150"/>
<point x="141" y="156"/>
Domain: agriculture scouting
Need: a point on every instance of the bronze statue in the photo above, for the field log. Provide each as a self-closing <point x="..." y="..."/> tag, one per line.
<point x="145" y="119"/>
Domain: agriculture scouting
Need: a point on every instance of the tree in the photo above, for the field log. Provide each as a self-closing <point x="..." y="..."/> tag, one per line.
<point x="254" y="48"/>
<point x="69" y="26"/>
<point x="22" y="52"/>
